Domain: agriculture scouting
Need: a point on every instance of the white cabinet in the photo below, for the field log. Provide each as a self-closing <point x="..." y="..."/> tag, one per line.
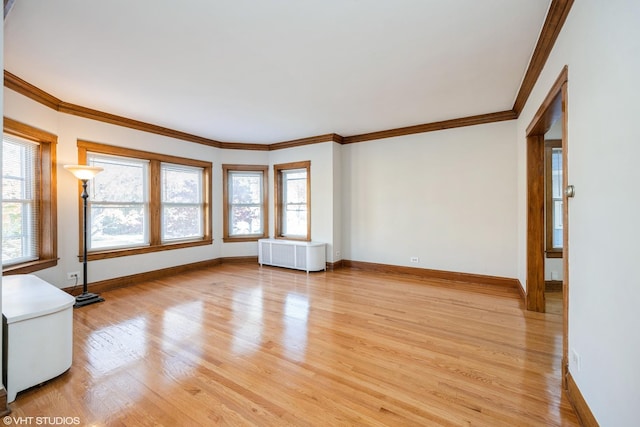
<point x="307" y="256"/>
<point x="38" y="332"/>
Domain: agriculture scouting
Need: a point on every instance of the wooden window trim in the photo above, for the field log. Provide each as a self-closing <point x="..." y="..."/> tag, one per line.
<point x="550" y="251"/>
<point x="226" y="221"/>
<point x="277" y="178"/>
<point x="48" y="221"/>
<point x="155" y="159"/>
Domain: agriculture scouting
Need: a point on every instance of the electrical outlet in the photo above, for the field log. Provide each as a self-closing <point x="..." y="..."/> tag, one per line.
<point x="74" y="275"/>
<point x="575" y="358"/>
<point x="415" y="259"/>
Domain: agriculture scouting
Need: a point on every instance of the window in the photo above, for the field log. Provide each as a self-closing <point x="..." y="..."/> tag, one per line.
<point x="553" y="189"/>
<point x="118" y="203"/>
<point x="29" y="239"/>
<point x="182" y="202"/>
<point x="293" y="207"/>
<point x="245" y="202"/>
<point x="145" y="202"/>
<point x="20" y="160"/>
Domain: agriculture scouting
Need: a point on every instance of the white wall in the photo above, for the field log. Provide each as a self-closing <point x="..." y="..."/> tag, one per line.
<point x="552" y="269"/>
<point x="322" y="189"/>
<point x="446" y="197"/>
<point x="324" y="202"/>
<point x="69" y="129"/>
<point x="599" y="42"/>
<point x="336" y="253"/>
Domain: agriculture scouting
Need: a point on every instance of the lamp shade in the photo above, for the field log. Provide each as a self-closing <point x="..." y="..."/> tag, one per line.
<point x="83" y="172"/>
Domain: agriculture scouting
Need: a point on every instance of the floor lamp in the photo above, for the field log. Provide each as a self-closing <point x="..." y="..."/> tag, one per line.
<point x="84" y="174"/>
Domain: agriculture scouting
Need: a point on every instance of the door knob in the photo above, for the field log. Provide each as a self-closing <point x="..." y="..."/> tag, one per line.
<point x="570" y="191"/>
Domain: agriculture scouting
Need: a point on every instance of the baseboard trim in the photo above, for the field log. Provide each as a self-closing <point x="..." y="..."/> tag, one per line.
<point x="121" y="282"/>
<point x="332" y="266"/>
<point x="433" y="274"/>
<point x="553" y="285"/>
<point x="579" y="404"/>
<point x="239" y="260"/>
<point x="522" y="291"/>
<point x="4" y="406"/>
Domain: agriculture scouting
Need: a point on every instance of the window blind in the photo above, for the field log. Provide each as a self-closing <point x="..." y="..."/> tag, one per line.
<point x="20" y="200"/>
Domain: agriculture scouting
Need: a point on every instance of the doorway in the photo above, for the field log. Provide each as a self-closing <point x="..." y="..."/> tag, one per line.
<point x="553" y="110"/>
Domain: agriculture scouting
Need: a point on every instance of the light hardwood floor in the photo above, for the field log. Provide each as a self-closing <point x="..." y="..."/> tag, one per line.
<point x="244" y="345"/>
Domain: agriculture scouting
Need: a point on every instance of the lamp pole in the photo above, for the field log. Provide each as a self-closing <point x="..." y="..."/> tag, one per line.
<point x="84" y="173"/>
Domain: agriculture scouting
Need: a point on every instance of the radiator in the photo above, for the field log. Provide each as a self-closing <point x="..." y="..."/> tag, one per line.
<point x="307" y="256"/>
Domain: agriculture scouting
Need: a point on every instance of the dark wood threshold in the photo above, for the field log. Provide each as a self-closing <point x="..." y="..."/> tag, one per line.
<point x="553" y="285"/>
<point x="579" y="404"/>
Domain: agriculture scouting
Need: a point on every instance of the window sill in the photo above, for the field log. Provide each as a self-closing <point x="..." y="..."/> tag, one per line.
<point x="115" y="253"/>
<point x="252" y="238"/>
<point x="29" y="267"/>
<point x="298" y="238"/>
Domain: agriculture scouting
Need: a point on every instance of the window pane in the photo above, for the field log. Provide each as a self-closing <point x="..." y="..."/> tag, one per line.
<point x="118" y="202"/>
<point x="181" y="184"/>
<point x="123" y="180"/>
<point x="116" y="226"/>
<point x="182" y="206"/>
<point x="246" y="220"/>
<point x="294" y="222"/>
<point x="556" y="185"/>
<point x="295" y="190"/>
<point x="557" y="224"/>
<point x="556" y="172"/>
<point x="181" y="222"/>
<point x="20" y="174"/>
<point x="245" y="208"/>
<point x="245" y="187"/>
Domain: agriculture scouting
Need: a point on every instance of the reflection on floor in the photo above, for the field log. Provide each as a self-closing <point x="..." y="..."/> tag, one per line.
<point x="553" y="302"/>
<point x="243" y="345"/>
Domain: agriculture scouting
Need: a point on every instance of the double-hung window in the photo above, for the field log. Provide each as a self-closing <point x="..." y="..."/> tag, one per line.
<point x="145" y="202"/>
<point x="118" y="202"/>
<point x="182" y="202"/>
<point x="20" y="206"/>
<point x="293" y="200"/>
<point x="245" y="202"/>
<point x="29" y="239"/>
<point x="553" y="202"/>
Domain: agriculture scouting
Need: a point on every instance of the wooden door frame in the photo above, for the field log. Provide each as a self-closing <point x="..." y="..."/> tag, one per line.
<point x="553" y="107"/>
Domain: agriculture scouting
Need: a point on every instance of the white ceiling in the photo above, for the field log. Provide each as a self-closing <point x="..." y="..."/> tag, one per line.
<point x="275" y="70"/>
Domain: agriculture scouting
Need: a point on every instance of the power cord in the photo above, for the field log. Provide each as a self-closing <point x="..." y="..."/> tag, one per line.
<point x="75" y="285"/>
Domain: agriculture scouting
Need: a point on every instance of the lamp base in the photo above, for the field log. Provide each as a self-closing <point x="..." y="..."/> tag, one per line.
<point x="87" y="298"/>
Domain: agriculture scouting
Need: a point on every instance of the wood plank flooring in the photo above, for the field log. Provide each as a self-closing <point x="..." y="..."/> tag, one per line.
<point x="248" y="346"/>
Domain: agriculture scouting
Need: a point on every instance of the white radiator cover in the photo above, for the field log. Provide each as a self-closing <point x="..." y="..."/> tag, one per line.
<point x="307" y="256"/>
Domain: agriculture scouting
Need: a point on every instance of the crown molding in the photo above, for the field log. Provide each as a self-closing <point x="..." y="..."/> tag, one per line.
<point x="25" y="88"/>
<point x="88" y="113"/>
<point x="329" y="137"/>
<point x="556" y="16"/>
<point x="434" y="126"/>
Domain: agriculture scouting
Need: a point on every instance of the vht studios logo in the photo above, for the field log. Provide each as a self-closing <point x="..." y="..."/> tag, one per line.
<point x="41" y="421"/>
